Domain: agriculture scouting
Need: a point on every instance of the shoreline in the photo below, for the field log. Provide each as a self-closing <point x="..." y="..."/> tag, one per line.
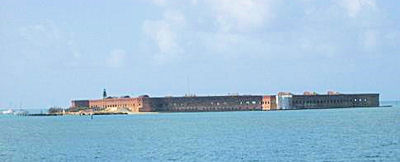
<point x="149" y="113"/>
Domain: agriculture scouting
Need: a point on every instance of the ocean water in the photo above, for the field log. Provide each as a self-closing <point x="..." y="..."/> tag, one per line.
<point x="360" y="134"/>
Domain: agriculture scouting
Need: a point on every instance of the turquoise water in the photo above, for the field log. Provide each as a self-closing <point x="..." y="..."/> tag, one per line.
<point x="362" y="134"/>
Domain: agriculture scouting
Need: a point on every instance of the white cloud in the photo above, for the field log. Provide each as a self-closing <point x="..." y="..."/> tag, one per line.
<point x="354" y="7"/>
<point x="229" y="20"/>
<point x="116" y="58"/>
<point x="41" y="34"/>
<point x="164" y="34"/>
<point x="232" y="28"/>
<point x="194" y="2"/>
<point x="159" y="2"/>
<point x="47" y="42"/>
<point x="241" y="15"/>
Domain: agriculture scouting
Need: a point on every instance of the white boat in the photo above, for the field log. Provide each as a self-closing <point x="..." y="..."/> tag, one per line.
<point x="8" y="112"/>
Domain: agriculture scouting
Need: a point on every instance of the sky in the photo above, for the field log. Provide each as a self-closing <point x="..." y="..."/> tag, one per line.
<point x="52" y="52"/>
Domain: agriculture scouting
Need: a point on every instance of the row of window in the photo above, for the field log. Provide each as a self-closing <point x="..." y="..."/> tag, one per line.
<point x="211" y="103"/>
<point x="115" y="105"/>
<point x="211" y="109"/>
<point x="329" y="101"/>
<point x="267" y="102"/>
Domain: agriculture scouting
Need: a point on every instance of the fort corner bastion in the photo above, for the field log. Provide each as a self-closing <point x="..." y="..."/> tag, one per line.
<point x="281" y="101"/>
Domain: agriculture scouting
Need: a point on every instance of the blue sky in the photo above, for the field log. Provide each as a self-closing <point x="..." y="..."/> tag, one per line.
<point x="54" y="51"/>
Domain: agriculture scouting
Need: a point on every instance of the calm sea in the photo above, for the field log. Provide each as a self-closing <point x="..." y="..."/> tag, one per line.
<point x="360" y="134"/>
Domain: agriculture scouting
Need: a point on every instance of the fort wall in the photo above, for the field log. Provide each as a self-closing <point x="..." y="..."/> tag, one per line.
<point x="269" y="103"/>
<point x="334" y="101"/>
<point x="132" y="104"/>
<point x="230" y="103"/>
<point x="80" y="103"/>
<point x="205" y="103"/>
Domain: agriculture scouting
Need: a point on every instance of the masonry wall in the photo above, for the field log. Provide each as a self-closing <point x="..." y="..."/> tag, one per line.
<point x="79" y="103"/>
<point x="334" y="101"/>
<point x="230" y="103"/>
<point x="132" y="104"/>
<point x="147" y="106"/>
<point x="204" y="103"/>
<point x="269" y="103"/>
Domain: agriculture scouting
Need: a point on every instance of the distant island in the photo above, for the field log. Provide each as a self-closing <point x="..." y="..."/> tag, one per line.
<point x="192" y="103"/>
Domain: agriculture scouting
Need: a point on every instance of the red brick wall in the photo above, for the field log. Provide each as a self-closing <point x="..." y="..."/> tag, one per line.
<point x="182" y="104"/>
<point x="133" y="104"/>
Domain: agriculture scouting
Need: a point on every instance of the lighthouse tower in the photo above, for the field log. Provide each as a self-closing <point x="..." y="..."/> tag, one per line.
<point x="104" y="93"/>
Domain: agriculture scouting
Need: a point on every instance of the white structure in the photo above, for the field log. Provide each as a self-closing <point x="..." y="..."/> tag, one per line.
<point x="284" y="101"/>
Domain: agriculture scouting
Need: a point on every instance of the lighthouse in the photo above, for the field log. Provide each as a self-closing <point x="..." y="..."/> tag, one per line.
<point x="104" y="93"/>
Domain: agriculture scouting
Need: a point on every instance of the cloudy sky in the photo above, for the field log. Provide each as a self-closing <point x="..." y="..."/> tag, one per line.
<point x="55" y="51"/>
